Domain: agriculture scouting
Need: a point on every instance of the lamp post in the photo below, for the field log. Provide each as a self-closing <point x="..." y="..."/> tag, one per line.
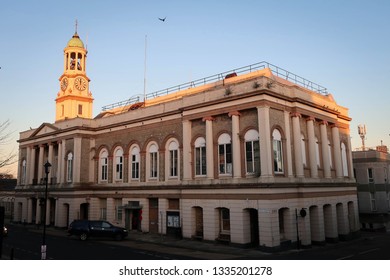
<point x="47" y="166"/>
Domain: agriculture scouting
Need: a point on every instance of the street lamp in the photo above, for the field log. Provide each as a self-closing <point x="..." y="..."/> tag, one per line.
<point x="47" y="166"/>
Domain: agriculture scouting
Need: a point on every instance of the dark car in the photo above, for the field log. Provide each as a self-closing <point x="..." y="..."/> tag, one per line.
<point x="87" y="228"/>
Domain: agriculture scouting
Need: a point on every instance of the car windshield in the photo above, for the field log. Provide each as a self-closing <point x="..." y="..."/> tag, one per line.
<point x="106" y="225"/>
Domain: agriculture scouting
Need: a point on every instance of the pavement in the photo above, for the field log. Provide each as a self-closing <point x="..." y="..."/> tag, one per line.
<point x="206" y="250"/>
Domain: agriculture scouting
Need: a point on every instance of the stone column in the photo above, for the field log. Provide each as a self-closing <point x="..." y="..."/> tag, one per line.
<point x="32" y="165"/>
<point x="77" y="160"/>
<point x="63" y="162"/>
<point x="50" y="160"/>
<point x="40" y="163"/>
<point x="209" y="147"/>
<point x="28" y="166"/>
<point x="325" y="150"/>
<point x="288" y="143"/>
<point x="349" y="159"/>
<point x="59" y="162"/>
<point x="236" y="144"/>
<point x="265" y="141"/>
<point x="337" y="151"/>
<point x="65" y="61"/>
<point x="297" y="144"/>
<point x="92" y="161"/>
<point x="312" y="147"/>
<point x="187" y="166"/>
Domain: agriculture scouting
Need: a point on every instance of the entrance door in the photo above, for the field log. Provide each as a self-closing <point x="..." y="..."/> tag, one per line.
<point x="153" y="215"/>
<point x="199" y="222"/>
<point x="254" y="226"/>
<point x="84" y="207"/>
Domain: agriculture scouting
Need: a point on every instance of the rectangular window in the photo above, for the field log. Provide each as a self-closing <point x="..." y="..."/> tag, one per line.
<point x="103" y="213"/>
<point x="134" y="167"/>
<point x="69" y="170"/>
<point x="153" y="165"/>
<point x="252" y="153"/>
<point x="173" y="163"/>
<point x="104" y="169"/>
<point x="200" y="161"/>
<point x="370" y="175"/>
<point x="225" y="220"/>
<point x="278" y="157"/>
<point x="118" y="209"/>
<point x="119" y="168"/>
<point x="225" y="158"/>
<point x="80" y="112"/>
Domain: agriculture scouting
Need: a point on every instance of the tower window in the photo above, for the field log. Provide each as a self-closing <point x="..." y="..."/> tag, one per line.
<point x="80" y="109"/>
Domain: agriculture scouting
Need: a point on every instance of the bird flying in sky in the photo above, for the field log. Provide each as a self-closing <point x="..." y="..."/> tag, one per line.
<point x="162" y="19"/>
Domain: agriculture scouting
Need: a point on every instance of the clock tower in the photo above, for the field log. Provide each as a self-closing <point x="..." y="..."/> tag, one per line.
<point x="74" y="98"/>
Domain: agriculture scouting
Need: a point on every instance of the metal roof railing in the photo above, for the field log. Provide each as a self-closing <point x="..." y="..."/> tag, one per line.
<point x="277" y="71"/>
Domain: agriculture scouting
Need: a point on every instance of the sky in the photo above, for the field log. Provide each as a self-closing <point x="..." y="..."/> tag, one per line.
<point x="341" y="45"/>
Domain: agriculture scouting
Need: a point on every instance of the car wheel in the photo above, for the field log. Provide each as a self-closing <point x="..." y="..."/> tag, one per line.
<point x="83" y="236"/>
<point x="118" y="237"/>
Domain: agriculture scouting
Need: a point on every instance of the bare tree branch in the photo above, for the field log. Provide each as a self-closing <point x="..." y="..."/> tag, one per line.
<point x="6" y="158"/>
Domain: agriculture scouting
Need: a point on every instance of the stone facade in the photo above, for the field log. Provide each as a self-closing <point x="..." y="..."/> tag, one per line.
<point x="252" y="159"/>
<point x="371" y="168"/>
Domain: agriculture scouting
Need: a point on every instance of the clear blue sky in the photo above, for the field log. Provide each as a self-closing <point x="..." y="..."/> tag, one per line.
<point x="341" y="45"/>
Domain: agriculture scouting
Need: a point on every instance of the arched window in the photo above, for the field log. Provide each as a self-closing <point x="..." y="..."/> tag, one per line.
<point x="69" y="168"/>
<point x="344" y="159"/>
<point x="200" y="157"/>
<point x="135" y="162"/>
<point x="252" y="152"/>
<point x="225" y="154"/>
<point x="303" y="142"/>
<point x="153" y="161"/>
<point x="103" y="168"/>
<point x="278" y="151"/>
<point x="173" y="158"/>
<point x="118" y="164"/>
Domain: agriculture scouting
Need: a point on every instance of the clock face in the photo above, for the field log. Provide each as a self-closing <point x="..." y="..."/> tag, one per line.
<point x="80" y="83"/>
<point x="64" y="84"/>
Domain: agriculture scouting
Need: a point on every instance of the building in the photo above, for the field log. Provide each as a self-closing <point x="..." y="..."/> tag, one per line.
<point x="7" y="194"/>
<point x="256" y="156"/>
<point x="371" y="167"/>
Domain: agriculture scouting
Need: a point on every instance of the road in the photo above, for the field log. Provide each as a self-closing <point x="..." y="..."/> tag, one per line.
<point x="24" y="243"/>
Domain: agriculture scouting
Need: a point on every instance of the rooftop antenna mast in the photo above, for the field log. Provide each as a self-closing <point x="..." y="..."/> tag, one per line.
<point x="145" y="70"/>
<point x="362" y="132"/>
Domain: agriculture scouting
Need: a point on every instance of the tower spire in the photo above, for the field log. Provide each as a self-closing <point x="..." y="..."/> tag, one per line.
<point x="76" y="24"/>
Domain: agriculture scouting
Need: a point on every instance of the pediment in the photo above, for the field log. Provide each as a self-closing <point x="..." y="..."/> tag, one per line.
<point x="43" y="129"/>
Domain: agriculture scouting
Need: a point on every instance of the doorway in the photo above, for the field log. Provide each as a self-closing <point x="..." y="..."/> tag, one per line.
<point x="153" y="215"/>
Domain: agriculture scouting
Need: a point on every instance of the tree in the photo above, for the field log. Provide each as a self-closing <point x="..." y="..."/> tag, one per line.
<point x="6" y="158"/>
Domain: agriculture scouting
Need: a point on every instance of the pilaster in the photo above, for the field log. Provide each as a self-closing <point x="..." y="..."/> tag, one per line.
<point x="209" y="147"/>
<point x="297" y="144"/>
<point x="236" y="144"/>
